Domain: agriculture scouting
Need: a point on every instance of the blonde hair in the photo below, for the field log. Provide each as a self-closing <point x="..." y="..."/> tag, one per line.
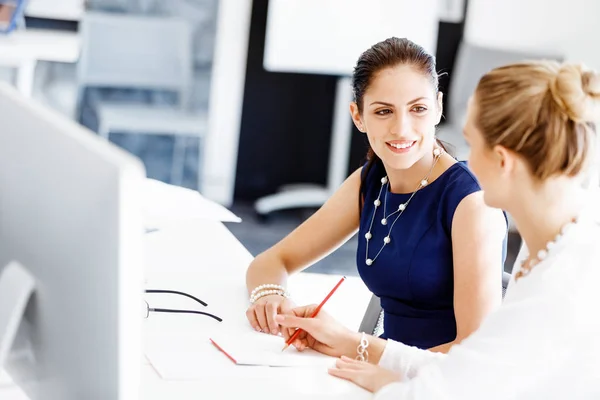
<point x="543" y="110"/>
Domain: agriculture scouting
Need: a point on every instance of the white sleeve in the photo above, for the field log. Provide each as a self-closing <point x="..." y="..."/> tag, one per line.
<point x="516" y="345"/>
<point x="407" y="360"/>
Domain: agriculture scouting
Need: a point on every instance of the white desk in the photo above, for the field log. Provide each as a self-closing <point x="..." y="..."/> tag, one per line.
<point x="191" y="262"/>
<point x="209" y="262"/>
<point x="22" y="49"/>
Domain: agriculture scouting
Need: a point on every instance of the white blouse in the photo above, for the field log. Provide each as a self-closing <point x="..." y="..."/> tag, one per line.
<point x="542" y="343"/>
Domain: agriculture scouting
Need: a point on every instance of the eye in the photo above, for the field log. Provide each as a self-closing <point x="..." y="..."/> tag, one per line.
<point x="419" y="109"/>
<point x="385" y="111"/>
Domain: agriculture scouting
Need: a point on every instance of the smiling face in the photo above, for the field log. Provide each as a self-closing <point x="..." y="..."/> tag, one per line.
<point x="399" y="115"/>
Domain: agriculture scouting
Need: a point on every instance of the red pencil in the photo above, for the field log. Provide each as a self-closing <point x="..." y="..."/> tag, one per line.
<point x="314" y="314"/>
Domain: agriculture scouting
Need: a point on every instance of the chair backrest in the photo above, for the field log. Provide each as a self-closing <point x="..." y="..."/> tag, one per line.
<point x="126" y="51"/>
<point x="472" y="62"/>
<point x="372" y="315"/>
<point x="505" y="280"/>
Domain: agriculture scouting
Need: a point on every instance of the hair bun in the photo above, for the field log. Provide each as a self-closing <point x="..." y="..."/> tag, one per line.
<point x="577" y="92"/>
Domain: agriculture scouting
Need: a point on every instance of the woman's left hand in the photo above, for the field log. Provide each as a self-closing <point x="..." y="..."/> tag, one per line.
<point x="368" y="376"/>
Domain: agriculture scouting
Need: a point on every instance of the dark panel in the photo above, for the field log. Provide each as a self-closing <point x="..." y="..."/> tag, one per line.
<point x="286" y="122"/>
<point x="286" y="118"/>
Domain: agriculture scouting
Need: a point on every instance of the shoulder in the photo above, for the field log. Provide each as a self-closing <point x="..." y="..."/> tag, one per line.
<point x="458" y="177"/>
<point x="371" y="174"/>
<point x="457" y="182"/>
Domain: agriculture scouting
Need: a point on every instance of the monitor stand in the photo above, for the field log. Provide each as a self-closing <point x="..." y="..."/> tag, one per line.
<point x="17" y="286"/>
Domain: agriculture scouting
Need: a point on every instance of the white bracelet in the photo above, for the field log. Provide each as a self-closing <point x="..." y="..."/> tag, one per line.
<point x="363" y="354"/>
<point x="264" y="293"/>
<point x="267" y="290"/>
<point x="266" y="286"/>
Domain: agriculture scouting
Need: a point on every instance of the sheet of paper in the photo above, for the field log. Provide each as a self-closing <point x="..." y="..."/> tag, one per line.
<point x="166" y="205"/>
<point x="255" y="348"/>
<point x="185" y="356"/>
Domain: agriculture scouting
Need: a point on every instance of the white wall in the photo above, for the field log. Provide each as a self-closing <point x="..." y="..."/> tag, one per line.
<point x="218" y="165"/>
<point x="567" y="27"/>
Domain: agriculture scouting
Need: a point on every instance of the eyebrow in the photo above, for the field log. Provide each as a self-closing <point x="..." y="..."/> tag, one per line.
<point x="410" y="102"/>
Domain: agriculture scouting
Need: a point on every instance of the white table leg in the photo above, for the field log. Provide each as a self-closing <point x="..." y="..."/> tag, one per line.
<point x="339" y="154"/>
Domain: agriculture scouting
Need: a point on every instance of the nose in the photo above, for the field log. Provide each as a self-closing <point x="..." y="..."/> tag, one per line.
<point x="400" y="124"/>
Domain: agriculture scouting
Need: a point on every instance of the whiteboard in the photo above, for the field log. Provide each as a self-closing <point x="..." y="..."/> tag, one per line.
<point x="328" y="36"/>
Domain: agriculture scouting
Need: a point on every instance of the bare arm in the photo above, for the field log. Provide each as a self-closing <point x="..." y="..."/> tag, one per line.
<point x="322" y="233"/>
<point x="478" y="233"/>
<point x="332" y="225"/>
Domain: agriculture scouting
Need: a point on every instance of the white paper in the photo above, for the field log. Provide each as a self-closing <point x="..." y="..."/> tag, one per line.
<point x="167" y="205"/>
<point x="255" y="348"/>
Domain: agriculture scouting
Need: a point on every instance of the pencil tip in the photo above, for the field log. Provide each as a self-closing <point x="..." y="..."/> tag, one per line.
<point x="284" y="347"/>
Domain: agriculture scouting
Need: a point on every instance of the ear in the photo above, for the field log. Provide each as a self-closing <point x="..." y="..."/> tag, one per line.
<point x="505" y="160"/>
<point x="356" y="118"/>
<point x="440" y="107"/>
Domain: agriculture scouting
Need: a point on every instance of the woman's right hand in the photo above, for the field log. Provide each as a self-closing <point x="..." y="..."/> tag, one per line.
<point x="261" y="314"/>
<point x="321" y="333"/>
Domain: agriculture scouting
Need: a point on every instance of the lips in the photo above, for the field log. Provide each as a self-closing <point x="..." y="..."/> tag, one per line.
<point x="401" y="146"/>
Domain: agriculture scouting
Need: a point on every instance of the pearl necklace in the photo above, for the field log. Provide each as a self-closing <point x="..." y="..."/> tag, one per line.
<point x="437" y="153"/>
<point x="527" y="266"/>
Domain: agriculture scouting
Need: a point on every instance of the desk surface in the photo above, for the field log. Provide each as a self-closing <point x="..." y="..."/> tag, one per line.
<point x="39" y="45"/>
<point x="206" y="260"/>
<point x="192" y="262"/>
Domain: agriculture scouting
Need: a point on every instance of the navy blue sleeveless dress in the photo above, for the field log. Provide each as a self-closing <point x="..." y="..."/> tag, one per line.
<point x="413" y="274"/>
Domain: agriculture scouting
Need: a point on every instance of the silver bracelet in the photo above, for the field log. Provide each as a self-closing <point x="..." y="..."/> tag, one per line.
<point x="363" y="354"/>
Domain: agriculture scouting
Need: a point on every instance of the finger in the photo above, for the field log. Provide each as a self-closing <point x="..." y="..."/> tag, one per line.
<point x="307" y="324"/>
<point x="348" y="374"/>
<point x="271" y="312"/>
<point x="262" y="319"/>
<point x="349" y="365"/>
<point x="287" y="309"/>
<point x="353" y="361"/>
<point x="298" y="344"/>
<point x="251" y="315"/>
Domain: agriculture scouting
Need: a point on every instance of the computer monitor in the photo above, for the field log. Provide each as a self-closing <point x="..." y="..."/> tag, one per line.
<point x="70" y="215"/>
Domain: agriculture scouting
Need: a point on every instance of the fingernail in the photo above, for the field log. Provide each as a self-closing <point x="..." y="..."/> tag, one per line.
<point x="257" y="328"/>
<point x="274" y="331"/>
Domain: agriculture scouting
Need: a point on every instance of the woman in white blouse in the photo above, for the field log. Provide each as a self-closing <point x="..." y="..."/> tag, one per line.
<point x="531" y="129"/>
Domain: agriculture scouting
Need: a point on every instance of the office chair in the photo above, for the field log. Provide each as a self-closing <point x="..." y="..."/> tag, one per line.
<point x="372" y="322"/>
<point x="141" y="52"/>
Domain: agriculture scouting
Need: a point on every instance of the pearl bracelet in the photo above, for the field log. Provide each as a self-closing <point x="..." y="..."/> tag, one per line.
<point x="363" y="354"/>
<point x="264" y="293"/>
<point x="267" y="290"/>
<point x="266" y="286"/>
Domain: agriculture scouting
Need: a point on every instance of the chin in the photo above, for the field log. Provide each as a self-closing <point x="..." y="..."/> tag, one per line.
<point x="401" y="161"/>
<point x="492" y="200"/>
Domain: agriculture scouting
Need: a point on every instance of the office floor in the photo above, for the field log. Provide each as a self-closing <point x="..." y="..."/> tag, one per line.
<point x="259" y="235"/>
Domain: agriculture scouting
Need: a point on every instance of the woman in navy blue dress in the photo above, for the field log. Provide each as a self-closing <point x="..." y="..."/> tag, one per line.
<point x="428" y="246"/>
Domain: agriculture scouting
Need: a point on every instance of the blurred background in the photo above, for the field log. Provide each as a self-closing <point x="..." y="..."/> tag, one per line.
<point x="246" y="101"/>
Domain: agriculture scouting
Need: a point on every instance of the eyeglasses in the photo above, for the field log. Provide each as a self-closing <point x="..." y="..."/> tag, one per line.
<point x="149" y="309"/>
